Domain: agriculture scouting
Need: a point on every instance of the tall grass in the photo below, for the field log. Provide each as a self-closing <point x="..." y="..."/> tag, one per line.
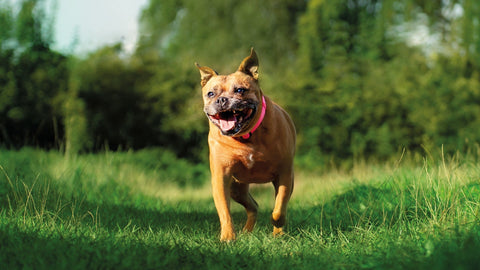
<point x="147" y="209"/>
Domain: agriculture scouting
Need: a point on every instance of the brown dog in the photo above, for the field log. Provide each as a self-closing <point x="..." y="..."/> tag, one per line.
<point x="251" y="140"/>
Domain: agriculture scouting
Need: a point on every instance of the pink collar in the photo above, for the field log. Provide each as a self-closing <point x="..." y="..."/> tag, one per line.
<point x="262" y="115"/>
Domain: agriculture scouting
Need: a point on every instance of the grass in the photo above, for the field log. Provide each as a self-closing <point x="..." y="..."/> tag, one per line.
<point x="148" y="210"/>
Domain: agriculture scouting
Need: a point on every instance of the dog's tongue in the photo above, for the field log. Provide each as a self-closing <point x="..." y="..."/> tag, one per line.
<point x="227" y="124"/>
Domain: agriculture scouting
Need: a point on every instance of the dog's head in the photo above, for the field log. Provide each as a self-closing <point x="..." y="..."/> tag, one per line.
<point x="232" y="102"/>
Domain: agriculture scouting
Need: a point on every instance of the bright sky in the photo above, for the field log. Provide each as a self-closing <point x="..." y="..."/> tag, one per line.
<point x="94" y="23"/>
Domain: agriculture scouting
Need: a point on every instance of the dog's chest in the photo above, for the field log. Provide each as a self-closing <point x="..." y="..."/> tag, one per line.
<point x="252" y="167"/>
<point x="248" y="160"/>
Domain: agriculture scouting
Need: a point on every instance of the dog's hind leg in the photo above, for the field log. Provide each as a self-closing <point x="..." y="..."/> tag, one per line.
<point x="239" y="193"/>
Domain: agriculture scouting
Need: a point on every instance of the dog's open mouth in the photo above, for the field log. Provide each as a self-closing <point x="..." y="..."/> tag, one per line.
<point x="231" y="122"/>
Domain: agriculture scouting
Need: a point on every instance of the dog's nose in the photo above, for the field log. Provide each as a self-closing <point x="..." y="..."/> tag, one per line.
<point x="222" y="101"/>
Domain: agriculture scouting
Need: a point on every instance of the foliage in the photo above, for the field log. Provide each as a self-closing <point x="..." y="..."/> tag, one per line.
<point x="185" y="31"/>
<point x="77" y="138"/>
<point x="123" y="210"/>
<point x="362" y="97"/>
<point x="32" y="79"/>
<point x="136" y="102"/>
<point x="355" y="76"/>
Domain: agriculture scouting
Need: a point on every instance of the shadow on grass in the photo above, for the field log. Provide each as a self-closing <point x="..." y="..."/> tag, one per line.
<point x="174" y="237"/>
<point x="137" y="235"/>
<point x="181" y="236"/>
<point x="29" y="249"/>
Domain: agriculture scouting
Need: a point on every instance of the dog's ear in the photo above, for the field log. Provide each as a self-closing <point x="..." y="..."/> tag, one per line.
<point x="206" y="74"/>
<point x="249" y="65"/>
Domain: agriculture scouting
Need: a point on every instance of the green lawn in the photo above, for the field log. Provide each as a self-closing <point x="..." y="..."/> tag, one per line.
<point x="147" y="210"/>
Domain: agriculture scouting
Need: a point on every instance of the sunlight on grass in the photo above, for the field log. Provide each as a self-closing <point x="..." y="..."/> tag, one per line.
<point x="109" y="170"/>
<point x="416" y="210"/>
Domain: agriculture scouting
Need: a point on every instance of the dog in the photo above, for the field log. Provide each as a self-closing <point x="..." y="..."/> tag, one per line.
<point x="251" y="140"/>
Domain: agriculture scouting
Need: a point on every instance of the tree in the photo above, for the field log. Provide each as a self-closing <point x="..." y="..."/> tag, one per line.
<point x="32" y="79"/>
<point x="186" y="31"/>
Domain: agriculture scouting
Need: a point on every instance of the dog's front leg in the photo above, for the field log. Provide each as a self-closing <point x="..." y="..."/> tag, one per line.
<point x="221" y="185"/>
<point x="283" y="191"/>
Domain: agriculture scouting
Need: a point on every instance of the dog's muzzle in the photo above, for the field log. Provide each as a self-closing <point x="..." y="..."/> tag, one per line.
<point x="232" y="120"/>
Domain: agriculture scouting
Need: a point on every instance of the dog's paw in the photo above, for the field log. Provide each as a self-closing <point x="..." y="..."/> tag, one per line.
<point x="227" y="237"/>
<point x="278" y="231"/>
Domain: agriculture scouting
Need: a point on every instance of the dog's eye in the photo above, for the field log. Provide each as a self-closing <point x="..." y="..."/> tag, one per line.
<point x="210" y="94"/>
<point x="240" y="90"/>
